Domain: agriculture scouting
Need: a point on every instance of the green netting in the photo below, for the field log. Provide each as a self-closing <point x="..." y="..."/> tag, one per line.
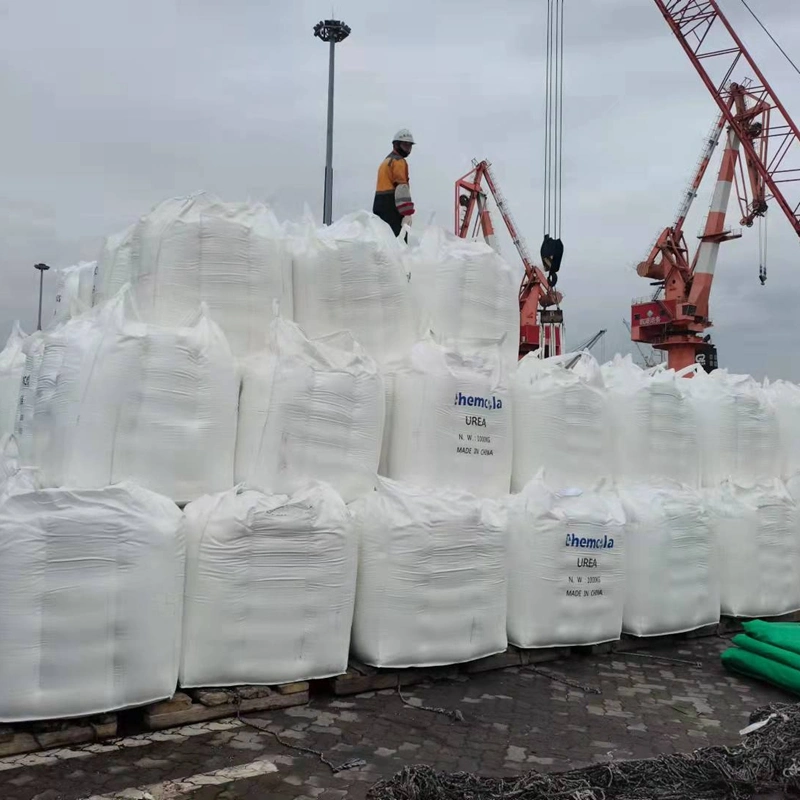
<point x="785" y="635"/>
<point x="764" y="669"/>
<point x="768" y="651"/>
<point x="786" y="657"/>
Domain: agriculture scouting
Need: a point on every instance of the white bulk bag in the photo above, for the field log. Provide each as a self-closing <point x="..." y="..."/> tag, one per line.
<point x="310" y="410"/>
<point x="176" y="432"/>
<point x="451" y="420"/>
<point x="191" y="250"/>
<point x="114" y="266"/>
<point x="785" y="397"/>
<point x="653" y="424"/>
<point x="351" y="276"/>
<point x="270" y="585"/>
<point x="15" y="479"/>
<point x="74" y="290"/>
<point x="737" y="427"/>
<point x="91" y="595"/>
<point x="68" y="357"/>
<point x="12" y="369"/>
<point x="759" y="549"/>
<point x="117" y="400"/>
<point x="33" y="350"/>
<point x="465" y="290"/>
<point x="561" y="422"/>
<point x="431" y="577"/>
<point x="566" y="560"/>
<point x="672" y="568"/>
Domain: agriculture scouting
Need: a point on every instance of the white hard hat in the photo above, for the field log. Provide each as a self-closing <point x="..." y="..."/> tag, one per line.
<point x="404" y="135"/>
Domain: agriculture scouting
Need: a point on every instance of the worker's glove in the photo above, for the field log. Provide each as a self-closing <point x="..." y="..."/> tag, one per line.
<point x="407" y="221"/>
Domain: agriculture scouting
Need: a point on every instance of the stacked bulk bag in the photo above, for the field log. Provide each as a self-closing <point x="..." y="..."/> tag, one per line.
<point x="270" y="585"/>
<point x="115" y="266"/>
<point x="450" y="424"/>
<point x="561" y="421"/>
<point x="785" y="397"/>
<point x="738" y="429"/>
<point x="431" y="578"/>
<point x="191" y="250"/>
<point x="655" y="427"/>
<point x="566" y="562"/>
<point x="310" y="410"/>
<point x="672" y="567"/>
<point x="74" y="290"/>
<point x="117" y="400"/>
<point x="759" y="549"/>
<point x="350" y="276"/>
<point x="91" y="591"/>
<point x="12" y="369"/>
<point x="33" y="350"/>
<point x="465" y="290"/>
<point x="14" y="478"/>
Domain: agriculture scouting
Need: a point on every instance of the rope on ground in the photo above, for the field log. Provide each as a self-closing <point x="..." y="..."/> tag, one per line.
<point x="664" y="659"/>
<point x="563" y="679"/>
<point x="456" y="714"/>
<point x="334" y="768"/>
<point x="766" y="761"/>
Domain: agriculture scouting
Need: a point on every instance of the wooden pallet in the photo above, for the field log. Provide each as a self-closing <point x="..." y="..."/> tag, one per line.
<point x="200" y="705"/>
<point x="515" y="657"/>
<point x="361" y="678"/>
<point x="628" y="643"/>
<point x="30" y="737"/>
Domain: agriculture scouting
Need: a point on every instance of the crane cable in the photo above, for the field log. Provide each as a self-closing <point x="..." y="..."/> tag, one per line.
<point x="762" y="221"/>
<point x="774" y="41"/>
<point x="552" y="249"/>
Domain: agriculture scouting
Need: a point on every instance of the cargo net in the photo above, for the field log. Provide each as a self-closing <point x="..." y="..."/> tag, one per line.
<point x="767" y="760"/>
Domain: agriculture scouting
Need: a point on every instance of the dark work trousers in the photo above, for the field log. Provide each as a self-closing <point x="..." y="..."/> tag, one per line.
<point x="385" y="208"/>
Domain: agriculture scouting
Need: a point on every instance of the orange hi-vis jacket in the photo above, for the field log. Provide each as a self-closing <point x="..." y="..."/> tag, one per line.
<point x="393" y="180"/>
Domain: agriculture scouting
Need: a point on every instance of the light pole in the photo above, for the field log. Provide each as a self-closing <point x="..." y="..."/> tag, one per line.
<point x="42" y="269"/>
<point x="332" y="31"/>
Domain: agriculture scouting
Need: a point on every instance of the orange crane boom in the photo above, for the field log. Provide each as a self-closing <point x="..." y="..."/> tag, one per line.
<point x="541" y="318"/>
<point x="758" y="124"/>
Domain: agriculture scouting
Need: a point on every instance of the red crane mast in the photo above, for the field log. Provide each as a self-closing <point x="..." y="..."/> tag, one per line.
<point x="769" y="169"/>
<point x="540" y="323"/>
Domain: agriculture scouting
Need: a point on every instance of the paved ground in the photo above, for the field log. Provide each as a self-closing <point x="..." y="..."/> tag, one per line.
<point x="513" y="720"/>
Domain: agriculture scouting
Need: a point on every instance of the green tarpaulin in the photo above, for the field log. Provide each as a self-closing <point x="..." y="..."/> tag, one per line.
<point x="768" y="651"/>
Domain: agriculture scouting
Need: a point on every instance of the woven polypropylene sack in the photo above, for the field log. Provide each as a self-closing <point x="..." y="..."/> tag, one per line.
<point x="653" y="424"/>
<point x="465" y="290"/>
<point x="350" y="276"/>
<point x="233" y="257"/>
<point x="91" y="595"/>
<point x="451" y="420"/>
<point x="431" y="577"/>
<point x="561" y="423"/>
<point x="672" y="568"/>
<point x="566" y="562"/>
<point x="758" y="534"/>
<point x="12" y="369"/>
<point x="270" y="585"/>
<point x="310" y="410"/>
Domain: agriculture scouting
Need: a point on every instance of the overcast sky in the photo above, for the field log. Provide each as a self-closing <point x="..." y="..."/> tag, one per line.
<point x="109" y="107"/>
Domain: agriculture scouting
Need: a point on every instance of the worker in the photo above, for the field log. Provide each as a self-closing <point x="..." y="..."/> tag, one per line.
<point x="393" y="203"/>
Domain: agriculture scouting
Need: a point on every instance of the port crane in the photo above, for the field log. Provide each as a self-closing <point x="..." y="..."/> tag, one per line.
<point x="761" y="160"/>
<point x="541" y="316"/>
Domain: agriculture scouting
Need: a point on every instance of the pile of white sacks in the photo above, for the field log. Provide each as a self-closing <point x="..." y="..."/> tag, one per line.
<point x="244" y="450"/>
